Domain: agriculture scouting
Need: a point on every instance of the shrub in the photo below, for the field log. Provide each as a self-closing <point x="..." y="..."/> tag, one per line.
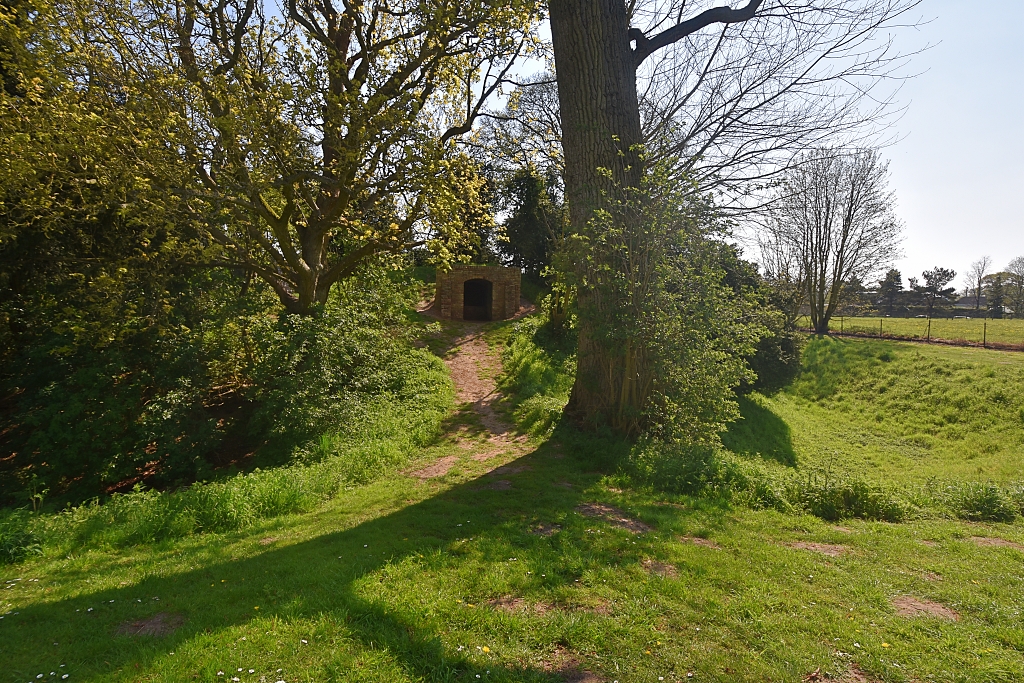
<point x="694" y="470"/>
<point x="17" y="541"/>
<point x="776" y="362"/>
<point x="380" y="437"/>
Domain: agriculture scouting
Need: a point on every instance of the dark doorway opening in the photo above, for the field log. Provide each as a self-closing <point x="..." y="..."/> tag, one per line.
<point x="476" y="300"/>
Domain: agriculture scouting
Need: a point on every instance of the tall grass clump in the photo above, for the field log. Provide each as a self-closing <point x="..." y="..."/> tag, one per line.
<point x="980" y="501"/>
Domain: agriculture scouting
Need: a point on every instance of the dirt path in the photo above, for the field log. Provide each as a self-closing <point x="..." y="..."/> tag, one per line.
<point x="474" y="368"/>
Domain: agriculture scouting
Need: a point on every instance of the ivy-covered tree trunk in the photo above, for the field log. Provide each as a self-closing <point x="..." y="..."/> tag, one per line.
<point x="615" y="262"/>
<point x="600" y="118"/>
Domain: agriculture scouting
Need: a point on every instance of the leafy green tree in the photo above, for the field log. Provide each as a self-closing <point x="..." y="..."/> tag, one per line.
<point x="309" y="141"/>
<point x="535" y="222"/>
<point x="1015" y="286"/>
<point x="889" y="289"/>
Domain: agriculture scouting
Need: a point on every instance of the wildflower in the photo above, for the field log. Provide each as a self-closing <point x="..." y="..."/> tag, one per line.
<point x="856" y="644"/>
<point x="486" y="649"/>
<point x="885" y="644"/>
<point x="305" y="642"/>
<point x="220" y="673"/>
<point x="89" y="610"/>
<point x="64" y="676"/>
<point x="252" y="671"/>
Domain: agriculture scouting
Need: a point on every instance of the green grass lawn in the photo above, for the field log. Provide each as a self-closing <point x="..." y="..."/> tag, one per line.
<point x="894" y="412"/>
<point x="402" y="581"/>
<point x="519" y="575"/>
<point x="975" y="329"/>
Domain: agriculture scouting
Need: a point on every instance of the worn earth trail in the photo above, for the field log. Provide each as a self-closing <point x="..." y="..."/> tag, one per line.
<point x="479" y="428"/>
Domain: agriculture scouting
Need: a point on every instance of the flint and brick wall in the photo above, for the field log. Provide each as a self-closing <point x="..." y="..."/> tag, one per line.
<point x="504" y="281"/>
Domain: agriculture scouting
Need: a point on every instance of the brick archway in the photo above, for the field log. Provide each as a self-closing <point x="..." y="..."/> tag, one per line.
<point x="504" y="291"/>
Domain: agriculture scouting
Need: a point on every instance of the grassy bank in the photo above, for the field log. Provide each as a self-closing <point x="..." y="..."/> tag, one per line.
<point x="895" y="412"/>
<point x="380" y="438"/>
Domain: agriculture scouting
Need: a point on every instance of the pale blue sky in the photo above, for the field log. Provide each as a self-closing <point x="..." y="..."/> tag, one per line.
<point x="958" y="170"/>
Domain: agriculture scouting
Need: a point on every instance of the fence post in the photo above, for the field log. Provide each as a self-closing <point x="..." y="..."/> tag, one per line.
<point x="842" y="326"/>
<point x="929" y="337"/>
<point x="879" y="328"/>
<point x="984" y="336"/>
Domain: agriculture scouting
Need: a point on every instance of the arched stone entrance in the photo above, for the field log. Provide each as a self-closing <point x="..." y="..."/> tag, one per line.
<point x="477" y="299"/>
<point x="478" y="293"/>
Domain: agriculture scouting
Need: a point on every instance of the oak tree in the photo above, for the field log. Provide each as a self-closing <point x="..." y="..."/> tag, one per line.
<point x="319" y="136"/>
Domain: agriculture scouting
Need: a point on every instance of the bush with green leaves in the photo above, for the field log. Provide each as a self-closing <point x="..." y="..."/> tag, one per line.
<point x="17" y="540"/>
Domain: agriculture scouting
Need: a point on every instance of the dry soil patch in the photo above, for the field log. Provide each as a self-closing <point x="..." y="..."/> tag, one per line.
<point x="702" y="542"/>
<point x="546" y="529"/>
<point x="665" y="571"/>
<point x="909" y="606"/>
<point x="614" y="516"/>
<point x="990" y="542"/>
<point x="823" y="548"/>
<point x="437" y="469"/>
<point x="158" y="625"/>
<point x="564" y="664"/>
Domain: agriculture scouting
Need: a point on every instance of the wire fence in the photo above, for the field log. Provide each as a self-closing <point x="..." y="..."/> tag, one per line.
<point x="958" y="331"/>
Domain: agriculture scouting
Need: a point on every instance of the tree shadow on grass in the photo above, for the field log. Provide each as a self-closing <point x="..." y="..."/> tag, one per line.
<point x="336" y="586"/>
<point x="760" y="433"/>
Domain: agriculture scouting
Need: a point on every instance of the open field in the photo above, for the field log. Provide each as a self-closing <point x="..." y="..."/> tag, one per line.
<point x="957" y="329"/>
<point x="500" y="557"/>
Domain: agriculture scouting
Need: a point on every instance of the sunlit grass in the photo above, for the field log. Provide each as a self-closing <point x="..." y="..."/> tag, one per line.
<point x="899" y="412"/>
<point x="972" y="329"/>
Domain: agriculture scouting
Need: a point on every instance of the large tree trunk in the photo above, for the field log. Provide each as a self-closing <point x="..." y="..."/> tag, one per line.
<point x="600" y="118"/>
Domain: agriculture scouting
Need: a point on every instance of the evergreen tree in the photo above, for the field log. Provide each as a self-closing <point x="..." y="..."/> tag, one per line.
<point x="889" y="288"/>
<point x="996" y="297"/>
<point x="535" y="223"/>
